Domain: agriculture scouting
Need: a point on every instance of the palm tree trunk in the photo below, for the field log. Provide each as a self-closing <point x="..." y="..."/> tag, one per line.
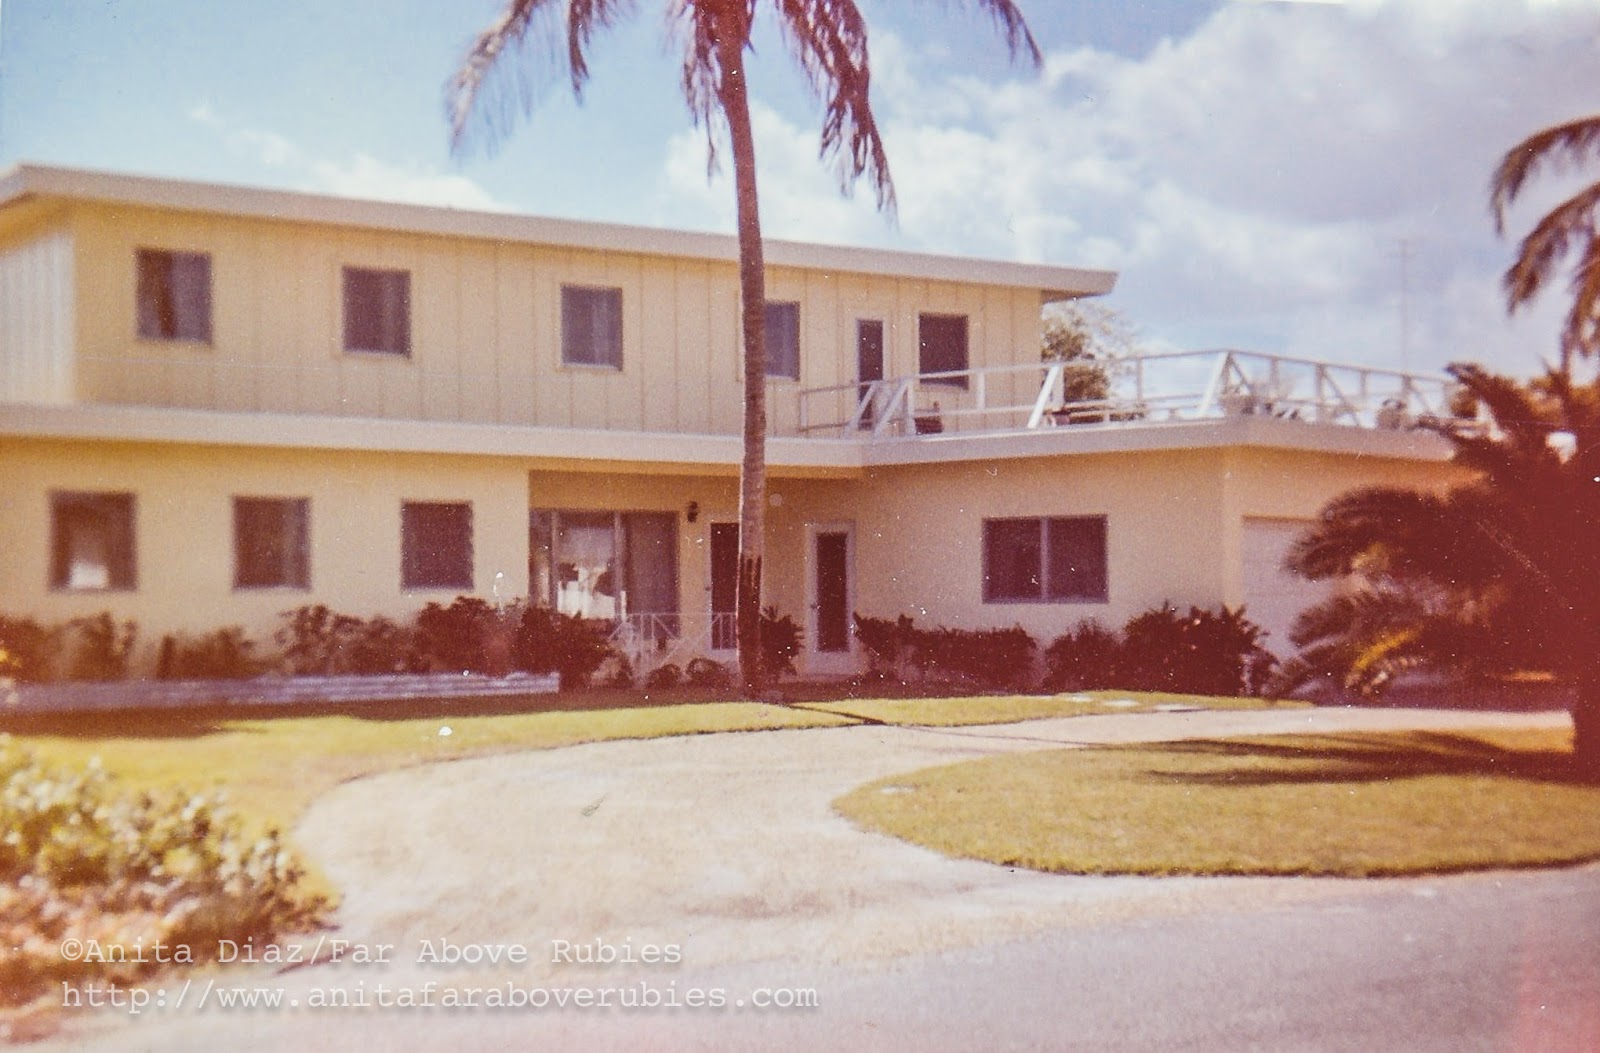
<point x="753" y="298"/>
<point x="1586" y="725"/>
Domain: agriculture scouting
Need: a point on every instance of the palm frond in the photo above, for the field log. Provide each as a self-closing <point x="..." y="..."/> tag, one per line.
<point x="471" y="93"/>
<point x="1563" y="146"/>
<point x="1014" y="28"/>
<point x="1551" y="240"/>
<point x="828" y="39"/>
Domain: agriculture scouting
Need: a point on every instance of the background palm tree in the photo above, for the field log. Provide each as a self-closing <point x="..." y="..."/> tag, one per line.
<point x="828" y="40"/>
<point x="1496" y="575"/>
<point x="1570" y="226"/>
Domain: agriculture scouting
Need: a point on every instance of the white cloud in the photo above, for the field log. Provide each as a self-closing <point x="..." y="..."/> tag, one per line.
<point x="1253" y="181"/>
<point x="359" y="175"/>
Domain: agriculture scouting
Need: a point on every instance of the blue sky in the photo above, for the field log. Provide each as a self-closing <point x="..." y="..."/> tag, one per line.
<point x="1251" y="167"/>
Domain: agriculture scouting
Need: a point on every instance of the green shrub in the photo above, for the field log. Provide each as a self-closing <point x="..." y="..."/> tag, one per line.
<point x="989" y="659"/>
<point x="984" y="658"/>
<point x="316" y="641"/>
<point x="780" y="643"/>
<point x="99" y="647"/>
<point x="663" y="676"/>
<point x="704" y="672"/>
<point x="85" y="859"/>
<point x="225" y="654"/>
<point x="27" y="649"/>
<point x="469" y="636"/>
<point x="548" y="641"/>
<point x="892" y="646"/>
<point x="1087" y="656"/>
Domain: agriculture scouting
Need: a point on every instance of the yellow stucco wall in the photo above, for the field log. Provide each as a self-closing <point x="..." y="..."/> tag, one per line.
<point x="184" y="529"/>
<point x="486" y="327"/>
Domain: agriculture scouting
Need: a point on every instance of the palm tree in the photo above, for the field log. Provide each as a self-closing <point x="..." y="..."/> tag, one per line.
<point x="828" y="39"/>
<point x="1495" y="575"/>
<point x="1571" y="225"/>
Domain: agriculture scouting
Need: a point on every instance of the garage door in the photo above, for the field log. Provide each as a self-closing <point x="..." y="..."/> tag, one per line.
<point x="1273" y="596"/>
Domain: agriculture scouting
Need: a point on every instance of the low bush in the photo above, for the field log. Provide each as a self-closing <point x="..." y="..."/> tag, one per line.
<point x="705" y="672"/>
<point x="27" y="649"/>
<point x="989" y="659"/>
<point x="780" y="643"/>
<point x="317" y="641"/>
<point x="225" y="654"/>
<point x="1087" y="656"/>
<point x="1200" y="651"/>
<point x="548" y="641"/>
<point x="663" y="676"/>
<point x="98" y="647"/>
<point x="82" y="858"/>
<point x="469" y="636"/>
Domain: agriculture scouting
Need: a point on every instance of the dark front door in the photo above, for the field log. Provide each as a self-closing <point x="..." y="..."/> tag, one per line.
<point x="833" y="591"/>
<point x="724" y="584"/>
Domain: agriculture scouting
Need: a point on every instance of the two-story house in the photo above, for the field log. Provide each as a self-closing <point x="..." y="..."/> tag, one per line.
<point x="218" y="403"/>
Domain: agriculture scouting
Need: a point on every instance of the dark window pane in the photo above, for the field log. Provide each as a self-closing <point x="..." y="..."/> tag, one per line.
<point x="591" y="326"/>
<point x="651" y="550"/>
<point x="942" y="346"/>
<point x="174" y="295"/>
<point x="1076" y="550"/>
<point x="435" y="545"/>
<point x="91" y="541"/>
<point x="1012" y="551"/>
<point x="377" y="311"/>
<point x="271" y="543"/>
<point x="783" y="340"/>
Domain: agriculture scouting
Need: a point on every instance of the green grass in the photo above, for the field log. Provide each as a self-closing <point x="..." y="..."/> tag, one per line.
<point x="1339" y="805"/>
<point x="273" y="767"/>
<point x="1009" y="709"/>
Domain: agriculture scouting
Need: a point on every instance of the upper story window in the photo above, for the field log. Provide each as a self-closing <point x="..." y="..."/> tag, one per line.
<point x="436" y="545"/>
<point x="91" y="541"/>
<point x="174" y="294"/>
<point x="783" y="339"/>
<point x="377" y="310"/>
<point x="591" y="326"/>
<point x="271" y="543"/>
<point x="942" y="346"/>
<point x="1045" y="560"/>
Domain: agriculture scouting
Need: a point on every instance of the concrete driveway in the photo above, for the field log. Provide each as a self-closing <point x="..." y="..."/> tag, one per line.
<point x="718" y="851"/>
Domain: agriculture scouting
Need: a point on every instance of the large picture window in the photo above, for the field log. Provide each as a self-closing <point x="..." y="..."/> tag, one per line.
<point x="783" y="339"/>
<point x="436" y="545"/>
<point x="591" y="326"/>
<point x="942" y="346"/>
<point x="174" y="294"/>
<point x="377" y="311"/>
<point x="606" y="564"/>
<point x="91" y="541"/>
<point x="1045" y="560"/>
<point x="271" y="543"/>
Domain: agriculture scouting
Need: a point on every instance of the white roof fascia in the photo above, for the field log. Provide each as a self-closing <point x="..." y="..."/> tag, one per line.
<point x="1053" y="283"/>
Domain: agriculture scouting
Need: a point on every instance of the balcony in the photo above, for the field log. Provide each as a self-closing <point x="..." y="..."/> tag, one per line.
<point x="1141" y="390"/>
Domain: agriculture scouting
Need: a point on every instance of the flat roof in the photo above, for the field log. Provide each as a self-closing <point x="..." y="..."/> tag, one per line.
<point x="26" y="181"/>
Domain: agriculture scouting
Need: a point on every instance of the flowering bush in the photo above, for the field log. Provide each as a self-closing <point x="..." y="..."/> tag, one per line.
<point x="83" y="858"/>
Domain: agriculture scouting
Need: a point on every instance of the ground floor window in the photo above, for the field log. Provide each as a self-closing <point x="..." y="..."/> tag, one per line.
<point x="436" y="545"/>
<point x="91" y="541"/>
<point x="605" y="564"/>
<point x="1045" y="560"/>
<point x="271" y="543"/>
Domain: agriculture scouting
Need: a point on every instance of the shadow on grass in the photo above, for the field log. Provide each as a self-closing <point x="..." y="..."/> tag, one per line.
<point x="198" y="721"/>
<point x="1366" y="758"/>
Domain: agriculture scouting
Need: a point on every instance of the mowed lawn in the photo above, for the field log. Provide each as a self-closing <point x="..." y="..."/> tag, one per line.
<point x="1350" y="805"/>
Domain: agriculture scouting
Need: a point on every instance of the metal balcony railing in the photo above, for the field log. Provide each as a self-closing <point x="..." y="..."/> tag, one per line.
<point x="1144" y="389"/>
